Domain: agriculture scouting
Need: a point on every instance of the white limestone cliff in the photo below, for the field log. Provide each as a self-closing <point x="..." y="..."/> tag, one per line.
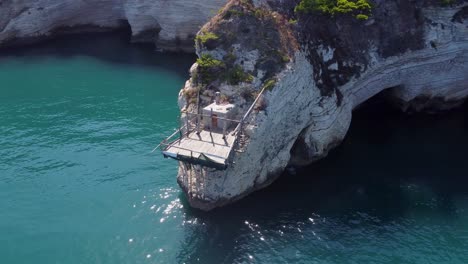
<point x="170" y="24"/>
<point x="301" y="125"/>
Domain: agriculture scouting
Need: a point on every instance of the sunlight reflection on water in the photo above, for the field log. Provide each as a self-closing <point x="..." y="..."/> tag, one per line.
<point x="78" y="185"/>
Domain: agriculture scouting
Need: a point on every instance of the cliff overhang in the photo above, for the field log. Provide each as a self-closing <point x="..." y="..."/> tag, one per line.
<point x="170" y="25"/>
<point x="318" y="68"/>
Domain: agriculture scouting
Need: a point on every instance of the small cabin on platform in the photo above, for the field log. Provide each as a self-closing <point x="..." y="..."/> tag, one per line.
<point x="218" y="116"/>
<point x="208" y="138"/>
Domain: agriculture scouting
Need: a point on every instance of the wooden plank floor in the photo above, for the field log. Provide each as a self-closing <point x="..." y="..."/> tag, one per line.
<point x="212" y="145"/>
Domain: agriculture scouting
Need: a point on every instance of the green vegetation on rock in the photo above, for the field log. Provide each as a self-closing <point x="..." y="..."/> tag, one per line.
<point x="447" y="2"/>
<point x="362" y="17"/>
<point x="204" y="37"/>
<point x="232" y="13"/>
<point x="237" y="75"/>
<point x="209" y="68"/>
<point x="269" y="84"/>
<point x="207" y="61"/>
<point x="360" y="8"/>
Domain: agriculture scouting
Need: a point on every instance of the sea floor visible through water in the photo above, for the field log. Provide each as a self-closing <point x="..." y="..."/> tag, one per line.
<point x="80" y="115"/>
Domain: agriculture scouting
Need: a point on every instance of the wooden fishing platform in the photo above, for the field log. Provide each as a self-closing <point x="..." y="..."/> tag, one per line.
<point x="206" y="139"/>
<point x="205" y="148"/>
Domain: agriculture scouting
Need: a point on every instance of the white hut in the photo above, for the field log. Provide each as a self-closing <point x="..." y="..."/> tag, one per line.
<point x="215" y="115"/>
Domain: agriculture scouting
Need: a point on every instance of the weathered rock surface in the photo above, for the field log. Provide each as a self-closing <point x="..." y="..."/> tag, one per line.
<point x="172" y="25"/>
<point x="416" y="51"/>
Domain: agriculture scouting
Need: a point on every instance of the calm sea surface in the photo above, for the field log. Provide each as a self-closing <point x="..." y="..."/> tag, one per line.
<point x="79" y="117"/>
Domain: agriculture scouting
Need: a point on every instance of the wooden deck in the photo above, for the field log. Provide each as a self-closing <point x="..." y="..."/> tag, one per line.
<point x="206" y="147"/>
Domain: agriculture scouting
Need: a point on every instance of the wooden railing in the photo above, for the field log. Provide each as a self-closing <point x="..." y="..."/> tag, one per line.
<point x="192" y="123"/>
<point x="246" y="115"/>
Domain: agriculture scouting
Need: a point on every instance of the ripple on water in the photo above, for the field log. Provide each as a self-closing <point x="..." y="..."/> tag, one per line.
<point x="78" y="184"/>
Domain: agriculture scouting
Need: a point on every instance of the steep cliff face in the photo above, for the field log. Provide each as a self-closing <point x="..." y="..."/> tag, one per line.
<point x="172" y="25"/>
<point x="318" y="70"/>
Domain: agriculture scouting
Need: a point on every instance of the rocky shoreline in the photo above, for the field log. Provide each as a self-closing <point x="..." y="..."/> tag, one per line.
<point x="416" y="53"/>
<point x="316" y="68"/>
<point x="171" y="25"/>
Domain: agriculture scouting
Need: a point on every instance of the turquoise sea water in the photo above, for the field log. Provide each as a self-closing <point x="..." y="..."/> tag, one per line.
<point x="78" y="184"/>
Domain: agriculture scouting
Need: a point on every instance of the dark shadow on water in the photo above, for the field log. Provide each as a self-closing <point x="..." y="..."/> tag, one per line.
<point x="388" y="160"/>
<point x="112" y="47"/>
<point x="385" y="156"/>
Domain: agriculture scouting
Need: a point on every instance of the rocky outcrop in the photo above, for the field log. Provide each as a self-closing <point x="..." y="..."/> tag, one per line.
<point x="414" y="51"/>
<point x="172" y="25"/>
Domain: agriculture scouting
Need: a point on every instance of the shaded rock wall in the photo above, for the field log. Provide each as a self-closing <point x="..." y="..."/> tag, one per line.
<point x="172" y="25"/>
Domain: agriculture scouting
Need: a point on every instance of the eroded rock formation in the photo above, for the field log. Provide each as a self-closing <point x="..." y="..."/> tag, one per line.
<point x="172" y="25"/>
<point x="318" y="70"/>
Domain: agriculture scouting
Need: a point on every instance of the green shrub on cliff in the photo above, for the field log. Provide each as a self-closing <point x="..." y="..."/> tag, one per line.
<point x="269" y="84"/>
<point x="204" y="37"/>
<point x="360" y="8"/>
<point x="447" y="2"/>
<point x="362" y="17"/>
<point x="207" y="61"/>
<point x="207" y="39"/>
<point x="209" y="68"/>
<point x="237" y="75"/>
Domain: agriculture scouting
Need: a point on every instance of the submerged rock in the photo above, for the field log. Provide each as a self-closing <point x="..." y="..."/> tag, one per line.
<point x="318" y="70"/>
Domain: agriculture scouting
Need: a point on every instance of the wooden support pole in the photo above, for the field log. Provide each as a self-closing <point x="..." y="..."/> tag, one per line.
<point x="211" y="119"/>
<point x="198" y="125"/>
<point x="224" y="129"/>
<point x="180" y="130"/>
<point x="187" y="124"/>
